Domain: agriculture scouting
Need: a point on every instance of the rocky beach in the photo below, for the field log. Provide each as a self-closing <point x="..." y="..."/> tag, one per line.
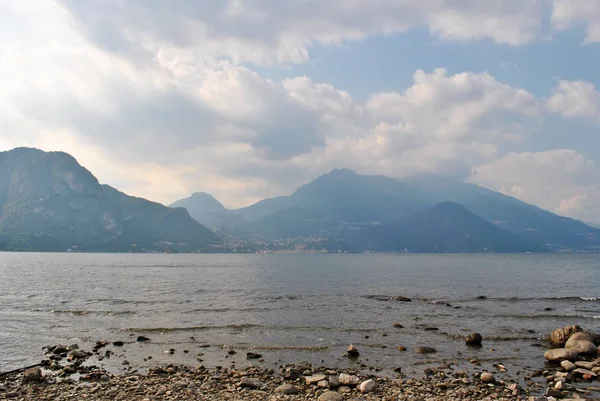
<point x="572" y="371"/>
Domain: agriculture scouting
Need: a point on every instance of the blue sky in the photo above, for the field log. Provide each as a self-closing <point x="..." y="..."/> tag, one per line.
<point x="247" y="99"/>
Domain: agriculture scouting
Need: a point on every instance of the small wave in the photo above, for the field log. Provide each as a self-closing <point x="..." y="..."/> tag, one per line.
<point x="528" y="299"/>
<point x="274" y="347"/>
<point x="190" y="328"/>
<point x="83" y="312"/>
<point x="225" y="309"/>
<point x="549" y="316"/>
<point x="384" y="298"/>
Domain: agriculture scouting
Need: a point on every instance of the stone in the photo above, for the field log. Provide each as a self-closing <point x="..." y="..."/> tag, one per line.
<point x="352" y="352"/>
<point x="32" y="375"/>
<point x="581" y="335"/>
<point x="583" y="347"/>
<point x="487" y="377"/>
<point x="584" y="372"/>
<point x="118" y="343"/>
<point x="349" y="380"/>
<point x="552" y="392"/>
<point x="323" y="384"/>
<point x="425" y="350"/>
<point x="331" y="396"/>
<point x="253" y="355"/>
<point x="568" y="365"/>
<point x="401" y="348"/>
<point x="77" y="354"/>
<point x="473" y="339"/>
<point x="142" y="339"/>
<point x="73" y="347"/>
<point x="314" y="379"/>
<point x="367" y="386"/>
<point x="402" y="299"/>
<point x="560" y="354"/>
<point x="334" y="381"/>
<point x="252" y="384"/>
<point x="584" y="365"/>
<point x="560" y="385"/>
<point x="60" y="349"/>
<point x="398" y="326"/>
<point x="559" y="337"/>
<point x="287" y="389"/>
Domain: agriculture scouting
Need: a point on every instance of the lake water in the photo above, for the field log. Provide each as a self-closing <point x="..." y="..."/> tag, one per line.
<point x="294" y="307"/>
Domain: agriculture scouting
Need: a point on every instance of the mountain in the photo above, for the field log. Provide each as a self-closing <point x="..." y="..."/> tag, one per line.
<point x="343" y="200"/>
<point x="208" y="211"/>
<point x="446" y="227"/>
<point x="48" y="202"/>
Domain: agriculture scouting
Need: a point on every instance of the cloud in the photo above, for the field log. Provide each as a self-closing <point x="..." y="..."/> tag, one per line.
<point x="268" y="32"/>
<point x="575" y="99"/>
<point x="562" y="180"/>
<point x="567" y="13"/>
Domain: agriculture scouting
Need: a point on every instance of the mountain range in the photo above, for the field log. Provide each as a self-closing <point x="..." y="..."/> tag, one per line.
<point x="48" y="202"/>
<point x="426" y="213"/>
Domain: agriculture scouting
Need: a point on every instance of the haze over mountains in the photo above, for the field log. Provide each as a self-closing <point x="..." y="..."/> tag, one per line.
<point x="420" y="214"/>
<point x="49" y="202"/>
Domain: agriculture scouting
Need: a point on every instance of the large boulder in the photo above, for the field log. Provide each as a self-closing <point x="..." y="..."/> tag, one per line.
<point x="582" y="347"/>
<point x="559" y="337"/>
<point x="581" y="336"/>
<point x="32" y="375"/>
<point x="560" y="354"/>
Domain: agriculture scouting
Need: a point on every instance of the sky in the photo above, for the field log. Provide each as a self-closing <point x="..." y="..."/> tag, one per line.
<point x="248" y="99"/>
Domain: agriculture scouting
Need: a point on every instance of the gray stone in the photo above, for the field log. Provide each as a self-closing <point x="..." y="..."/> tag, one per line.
<point x="473" y="339"/>
<point x="77" y="354"/>
<point x="352" y="351"/>
<point x="487" y="377"/>
<point x="349" y="380"/>
<point x="250" y="383"/>
<point x="287" y="389"/>
<point x="331" y="396"/>
<point x="32" y="375"/>
<point x="367" y="386"/>
<point x="583" y="347"/>
<point x="425" y="350"/>
<point x="568" y="365"/>
<point x="334" y="381"/>
<point x="314" y="379"/>
<point x="560" y="354"/>
<point x="552" y="392"/>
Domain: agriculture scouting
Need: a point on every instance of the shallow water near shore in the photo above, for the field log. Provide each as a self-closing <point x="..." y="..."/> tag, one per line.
<point x="294" y="307"/>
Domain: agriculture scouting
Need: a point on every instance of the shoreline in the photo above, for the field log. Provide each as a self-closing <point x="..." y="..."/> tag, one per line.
<point x="69" y="372"/>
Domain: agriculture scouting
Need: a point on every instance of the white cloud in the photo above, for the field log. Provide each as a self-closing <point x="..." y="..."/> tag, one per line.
<point x="563" y="181"/>
<point x="575" y="99"/>
<point x="567" y="13"/>
<point x="282" y="31"/>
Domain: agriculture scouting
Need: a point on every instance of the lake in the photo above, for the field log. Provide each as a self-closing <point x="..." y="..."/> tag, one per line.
<point x="294" y="307"/>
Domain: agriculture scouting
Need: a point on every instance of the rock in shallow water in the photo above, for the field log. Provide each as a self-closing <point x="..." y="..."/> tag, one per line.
<point x="473" y="339"/>
<point x="425" y="350"/>
<point x="352" y="351"/>
<point x="560" y="354"/>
